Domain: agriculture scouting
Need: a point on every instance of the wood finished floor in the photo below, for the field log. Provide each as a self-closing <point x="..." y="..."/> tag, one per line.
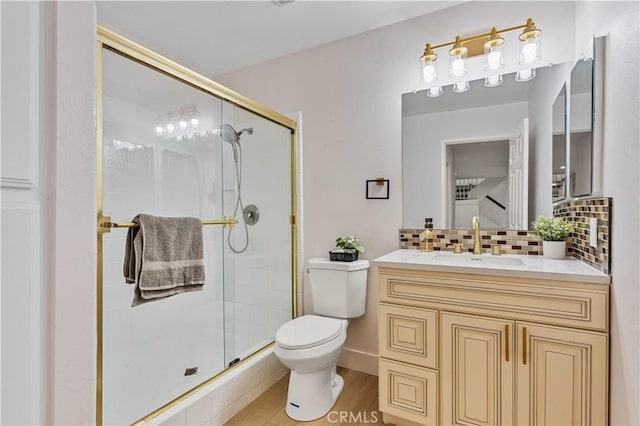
<point x="359" y="397"/>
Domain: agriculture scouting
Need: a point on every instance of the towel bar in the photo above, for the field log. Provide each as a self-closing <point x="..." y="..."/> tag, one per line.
<point x="105" y="224"/>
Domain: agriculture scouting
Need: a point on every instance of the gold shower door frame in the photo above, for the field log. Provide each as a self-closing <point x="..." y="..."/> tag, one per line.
<point x="107" y="39"/>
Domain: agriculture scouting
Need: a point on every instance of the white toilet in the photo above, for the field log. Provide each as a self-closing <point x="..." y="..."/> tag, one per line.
<point x="311" y="344"/>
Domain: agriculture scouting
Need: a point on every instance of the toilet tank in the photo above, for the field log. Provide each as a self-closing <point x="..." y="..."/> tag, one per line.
<point x="338" y="289"/>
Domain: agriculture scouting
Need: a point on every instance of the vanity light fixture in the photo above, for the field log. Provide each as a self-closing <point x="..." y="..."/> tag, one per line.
<point x="491" y="46"/>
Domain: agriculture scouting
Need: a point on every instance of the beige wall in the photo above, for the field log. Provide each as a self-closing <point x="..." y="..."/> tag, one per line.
<point x="620" y="21"/>
<point x="71" y="231"/>
<point x="349" y="94"/>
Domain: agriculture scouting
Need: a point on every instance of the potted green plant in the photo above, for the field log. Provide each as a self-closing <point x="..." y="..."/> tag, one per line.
<point x="347" y="249"/>
<point x="554" y="232"/>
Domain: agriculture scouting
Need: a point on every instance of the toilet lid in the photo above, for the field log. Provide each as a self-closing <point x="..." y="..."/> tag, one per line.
<point x="308" y="331"/>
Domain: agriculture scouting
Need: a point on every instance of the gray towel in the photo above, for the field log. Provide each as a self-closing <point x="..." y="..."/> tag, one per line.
<point x="163" y="256"/>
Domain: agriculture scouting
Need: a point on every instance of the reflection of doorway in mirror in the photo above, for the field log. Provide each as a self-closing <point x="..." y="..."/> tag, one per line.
<point x="476" y="182"/>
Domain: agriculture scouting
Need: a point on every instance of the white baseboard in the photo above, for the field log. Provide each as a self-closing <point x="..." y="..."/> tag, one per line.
<point x="364" y="362"/>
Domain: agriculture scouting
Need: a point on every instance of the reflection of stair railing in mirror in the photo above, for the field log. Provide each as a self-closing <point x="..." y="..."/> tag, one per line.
<point x="474" y="198"/>
<point x="558" y="185"/>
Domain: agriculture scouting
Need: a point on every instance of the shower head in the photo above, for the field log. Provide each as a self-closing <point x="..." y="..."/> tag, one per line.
<point x="229" y="135"/>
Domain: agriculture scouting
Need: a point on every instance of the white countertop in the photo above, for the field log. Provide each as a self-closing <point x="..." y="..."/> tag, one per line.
<point x="568" y="269"/>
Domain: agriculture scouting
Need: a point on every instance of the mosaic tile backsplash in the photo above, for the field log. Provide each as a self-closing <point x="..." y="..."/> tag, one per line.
<point x="510" y="242"/>
<point x="578" y="212"/>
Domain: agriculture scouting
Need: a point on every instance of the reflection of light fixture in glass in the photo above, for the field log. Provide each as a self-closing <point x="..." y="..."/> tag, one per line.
<point x="460" y="86"/>
<point x="428" y="62"/>
<point x="434" y="92"/>
<point x="182" y="121"/>
<point x="530" y="50"/>
<point x="493" y="52"/>
<point x="493" y="80"/>
<point x="525" y="75"/>
<point x="458" y="59"/>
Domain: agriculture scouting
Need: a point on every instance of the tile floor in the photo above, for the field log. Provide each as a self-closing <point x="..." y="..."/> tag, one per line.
<point x="356" y="406"/>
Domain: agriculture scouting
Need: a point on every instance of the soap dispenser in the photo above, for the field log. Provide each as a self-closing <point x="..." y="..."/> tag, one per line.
<point x="427" y="236"/>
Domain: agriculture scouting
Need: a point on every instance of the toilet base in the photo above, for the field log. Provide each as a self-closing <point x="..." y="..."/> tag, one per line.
<point x="312" y="395"/>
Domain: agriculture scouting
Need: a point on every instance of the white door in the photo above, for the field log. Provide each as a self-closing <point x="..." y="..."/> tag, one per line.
<point x="518" y="182"/>
<point x="21" y="340"/>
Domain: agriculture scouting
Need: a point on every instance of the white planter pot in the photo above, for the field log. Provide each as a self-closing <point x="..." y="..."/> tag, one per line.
<point x="554" y="249"/>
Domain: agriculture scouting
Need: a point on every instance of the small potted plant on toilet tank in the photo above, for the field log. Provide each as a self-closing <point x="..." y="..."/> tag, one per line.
<point x="554" y="232"/>
<point x="347" y="249"/>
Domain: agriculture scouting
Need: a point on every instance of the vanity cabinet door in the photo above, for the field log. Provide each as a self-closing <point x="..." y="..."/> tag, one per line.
<point x="562" y="376"/>
<point x="477" y="370"/>
<point x="408" y="335"/>
<point x="408" y="392"/>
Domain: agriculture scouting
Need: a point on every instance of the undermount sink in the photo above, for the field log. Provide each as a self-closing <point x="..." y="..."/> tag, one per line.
<point x="478" y="260"/>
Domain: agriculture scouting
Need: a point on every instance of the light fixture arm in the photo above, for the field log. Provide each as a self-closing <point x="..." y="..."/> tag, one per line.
<point x="529" y="24"/>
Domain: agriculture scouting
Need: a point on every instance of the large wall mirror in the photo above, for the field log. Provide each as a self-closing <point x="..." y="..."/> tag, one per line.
<point x="466" y="154"/>
<point x="559" y="167"/>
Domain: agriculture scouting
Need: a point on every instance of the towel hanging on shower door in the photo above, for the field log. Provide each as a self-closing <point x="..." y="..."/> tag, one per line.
<point x="163" y="257"/>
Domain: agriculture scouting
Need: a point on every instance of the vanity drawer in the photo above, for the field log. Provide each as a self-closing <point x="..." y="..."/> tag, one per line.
<point x="408" y="334"/>
<point x="408" y="392"/>
<point x="581" y="305"/>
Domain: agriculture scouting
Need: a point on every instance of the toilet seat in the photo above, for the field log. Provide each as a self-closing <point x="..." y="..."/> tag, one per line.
<point x="308" y="331"/>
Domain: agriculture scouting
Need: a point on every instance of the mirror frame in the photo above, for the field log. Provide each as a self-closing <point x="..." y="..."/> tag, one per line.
<point x="588" y="54"/>
<point x="597" y="47"/>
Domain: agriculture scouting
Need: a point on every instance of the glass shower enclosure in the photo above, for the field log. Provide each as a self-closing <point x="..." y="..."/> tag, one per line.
<point x="172" y="148"/>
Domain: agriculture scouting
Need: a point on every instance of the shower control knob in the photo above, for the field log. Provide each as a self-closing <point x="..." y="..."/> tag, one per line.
<point x="251" y="214"/>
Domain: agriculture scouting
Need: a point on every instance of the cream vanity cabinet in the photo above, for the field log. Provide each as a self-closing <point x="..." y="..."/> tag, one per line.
<point x="471" y="349"/>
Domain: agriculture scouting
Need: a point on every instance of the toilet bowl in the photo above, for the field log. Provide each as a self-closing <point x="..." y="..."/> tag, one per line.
<point x="311" y="344"/>
<point x="310" y="347"/>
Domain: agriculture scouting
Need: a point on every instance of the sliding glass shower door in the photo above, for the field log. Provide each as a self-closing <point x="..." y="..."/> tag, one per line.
<point x="171" y="149"/>
<point x="258" y="250"/>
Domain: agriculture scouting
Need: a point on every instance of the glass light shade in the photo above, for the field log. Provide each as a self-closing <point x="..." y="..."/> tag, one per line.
<point x="182" y="124"/>
<point x="428" y="65"/>
<point x="434" y="92"/>
<point x="195" y="122"/>
<point x="429" y="73"/>
<point x="458" y="66"/>
<point x="494" y="57"/>
<point x="159" y="130"/>
<point x="525" y="75"/>
<point x="170" y="128"/>
<point x="461" y="86"/>
<point x="458" y="60"/>
<point x="493" y="80"/>
<point x="530" y="50"/>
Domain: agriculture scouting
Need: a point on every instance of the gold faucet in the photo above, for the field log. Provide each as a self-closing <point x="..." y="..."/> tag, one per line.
<point x="475" y="225"/>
